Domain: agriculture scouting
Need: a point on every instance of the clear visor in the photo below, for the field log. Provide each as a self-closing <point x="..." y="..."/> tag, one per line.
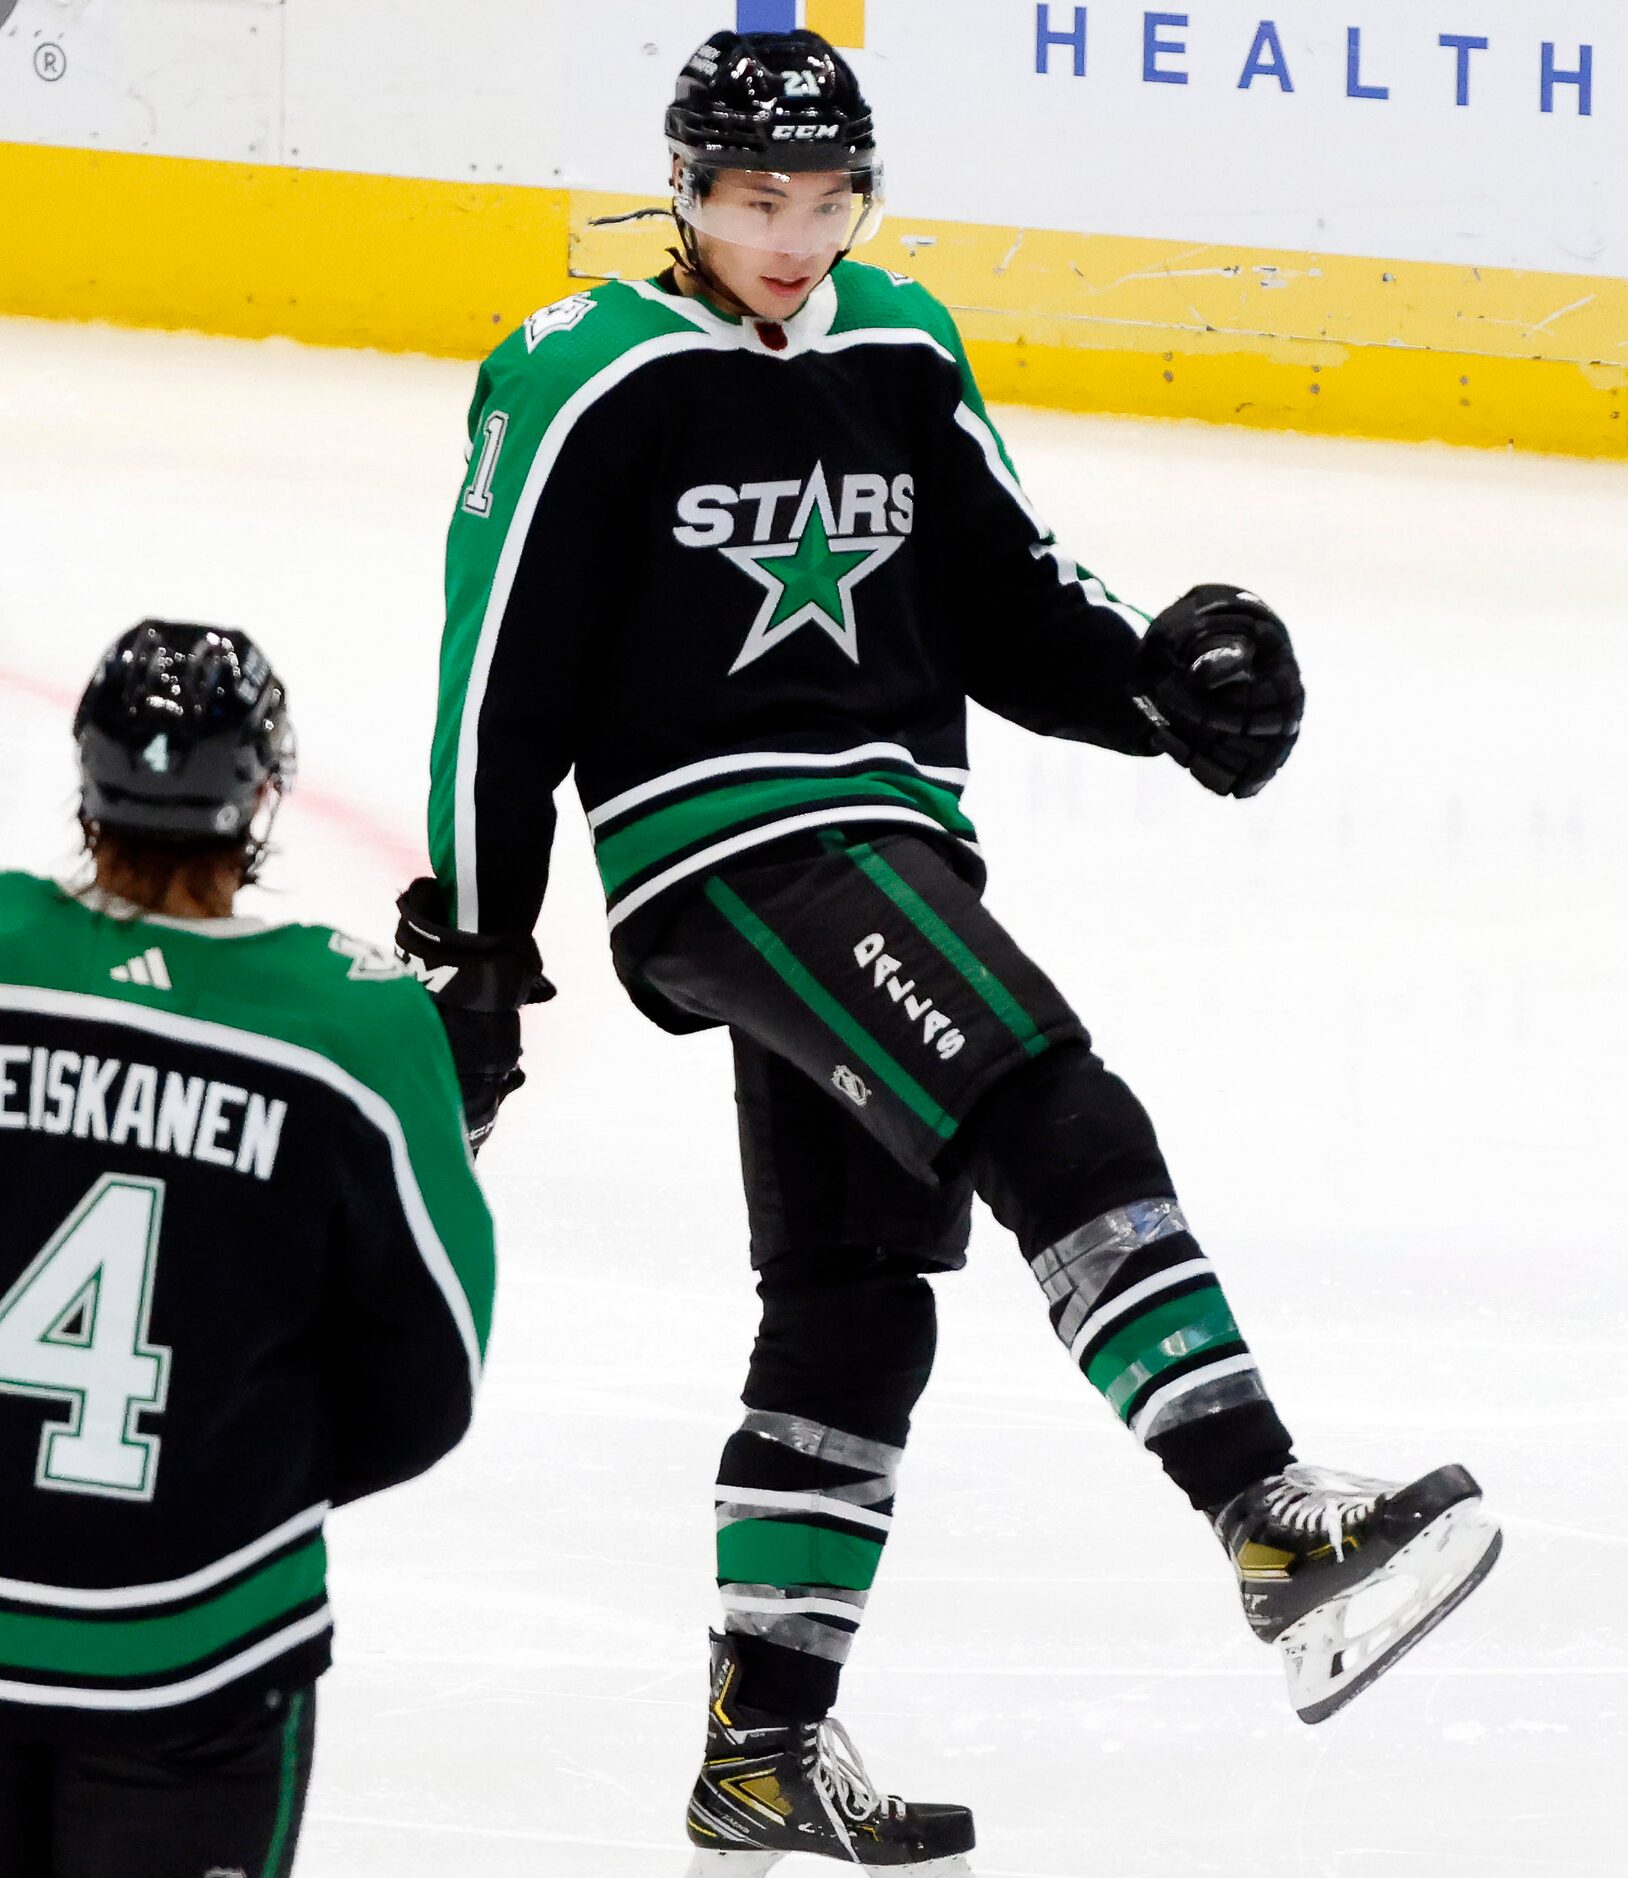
<point x="808" y="213"/>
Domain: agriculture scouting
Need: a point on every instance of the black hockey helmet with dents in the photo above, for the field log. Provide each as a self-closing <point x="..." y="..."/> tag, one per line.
<point x="771" y="101"/>
<point x="181" y="733"/>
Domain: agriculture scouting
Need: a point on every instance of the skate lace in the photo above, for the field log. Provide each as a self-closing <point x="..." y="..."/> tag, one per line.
<point x="1305" y="1498"/>
<point x="844" y="1787"/>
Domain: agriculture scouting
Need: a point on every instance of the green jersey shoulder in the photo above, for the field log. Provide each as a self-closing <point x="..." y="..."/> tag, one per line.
<point x="321" y="990"/>
<point x="872" y="298"/>
<point x="879" y="296"/>
<point x="561" y="346"/>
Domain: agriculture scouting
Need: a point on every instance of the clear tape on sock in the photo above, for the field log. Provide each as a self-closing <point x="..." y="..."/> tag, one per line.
<point x="825" y="1444"/>
<point x="735" y="1503"/>
<point x="797" y="1617"/>
<point x="1226" y="1385"/>
<point x="1078" y="1269"/>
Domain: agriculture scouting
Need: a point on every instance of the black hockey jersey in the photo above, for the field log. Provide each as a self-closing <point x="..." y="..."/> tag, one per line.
<point x="742" y="575"/>
<point x="246" y="1274"/>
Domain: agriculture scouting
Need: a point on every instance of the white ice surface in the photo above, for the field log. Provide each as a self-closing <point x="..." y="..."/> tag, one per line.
<point x="1378" y="1014"/>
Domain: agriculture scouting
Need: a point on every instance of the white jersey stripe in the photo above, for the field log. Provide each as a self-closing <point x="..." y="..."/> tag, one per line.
<point x="1068" y="572"/>
<point x="855" y="815"/>
<point x="303" y="1062"/>
<point x="885" y="336"/>
<point x="747" y="760"/>
<point x="132" y="1597"/>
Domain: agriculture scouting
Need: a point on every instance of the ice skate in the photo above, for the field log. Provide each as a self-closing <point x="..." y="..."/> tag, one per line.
<point x="1345" y="1574"/>
<point x="769" y="1788"/>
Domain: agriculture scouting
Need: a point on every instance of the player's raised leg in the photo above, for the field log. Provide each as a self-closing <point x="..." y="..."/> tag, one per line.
<point x="877" y="970"/>
<point x="1344" y="1573"/>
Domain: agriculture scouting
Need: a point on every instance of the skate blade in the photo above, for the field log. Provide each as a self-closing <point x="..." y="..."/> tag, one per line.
<point x="1327" y="1667"/>
<point x="710" y="1864"/>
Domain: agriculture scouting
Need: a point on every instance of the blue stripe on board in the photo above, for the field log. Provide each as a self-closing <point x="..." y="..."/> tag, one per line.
<point x="766" y="16"/>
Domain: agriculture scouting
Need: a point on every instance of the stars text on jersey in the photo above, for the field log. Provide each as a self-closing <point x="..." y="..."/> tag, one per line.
<point x="809" y="572"/>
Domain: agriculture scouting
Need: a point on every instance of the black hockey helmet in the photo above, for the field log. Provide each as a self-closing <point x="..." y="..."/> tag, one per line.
<point x="782" y="104"/>
<point x="771" y="101"/>
<point x="180" y="732"/>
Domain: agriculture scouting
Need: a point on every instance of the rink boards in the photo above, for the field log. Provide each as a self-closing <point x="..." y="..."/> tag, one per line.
<point x="1378" y="218"/>
<point x="1328" y="344"/>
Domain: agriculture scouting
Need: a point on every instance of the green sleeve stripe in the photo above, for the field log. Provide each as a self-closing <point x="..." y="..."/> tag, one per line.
<point x="951" y="945"/>
<point x="621" y="334"/>
<point x="786" y="1553"/>
<point x="830" y="1012"/>
<point x="668" y="831"/>
<point x="78" y="1647"/>
<point x="1157" y="1340"/>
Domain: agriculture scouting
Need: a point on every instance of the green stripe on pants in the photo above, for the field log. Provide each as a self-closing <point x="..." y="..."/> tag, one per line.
<point x="795" y="974"/>
<point x="785" y="1552"/>
<point x="288" y="1787"/>
<point x="949" y="943"/>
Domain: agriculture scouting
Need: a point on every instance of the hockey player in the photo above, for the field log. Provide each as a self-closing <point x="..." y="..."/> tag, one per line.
<point x="246" y="1276"/>
<point x="737" y="544"/>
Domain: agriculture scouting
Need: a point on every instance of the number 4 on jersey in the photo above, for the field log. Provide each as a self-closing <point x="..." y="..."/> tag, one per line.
<point x="74" y="1328"/>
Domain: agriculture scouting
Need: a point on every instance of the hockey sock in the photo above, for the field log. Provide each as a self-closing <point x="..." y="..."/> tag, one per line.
<point x="805" y="1486"/>
<point x="1067" y="1158"/>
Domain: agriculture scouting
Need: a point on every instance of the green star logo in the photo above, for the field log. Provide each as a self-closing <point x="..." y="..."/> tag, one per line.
<point x="810" y="580"/>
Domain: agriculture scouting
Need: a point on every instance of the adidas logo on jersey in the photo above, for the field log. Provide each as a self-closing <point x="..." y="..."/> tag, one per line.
<point x="147" y="968"/>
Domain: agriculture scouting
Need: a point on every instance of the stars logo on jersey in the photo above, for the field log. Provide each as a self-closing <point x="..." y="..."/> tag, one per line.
<point x="809" y="581"/>
<point x="808" y="574"/>
<point x="562" y="317"/>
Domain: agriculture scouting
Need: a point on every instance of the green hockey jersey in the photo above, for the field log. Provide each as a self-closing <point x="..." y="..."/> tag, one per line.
<point x="742" y="576"/>
<point x="246" y="1274"/>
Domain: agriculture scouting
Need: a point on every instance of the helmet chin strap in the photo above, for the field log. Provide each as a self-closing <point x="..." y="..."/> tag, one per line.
<point x="692" y="264"/>
<point x="257" y="842"/>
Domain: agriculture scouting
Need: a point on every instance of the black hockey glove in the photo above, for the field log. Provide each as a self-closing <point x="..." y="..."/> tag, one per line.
<point x="479" y="981"/>
<point x="1217" y="679"/>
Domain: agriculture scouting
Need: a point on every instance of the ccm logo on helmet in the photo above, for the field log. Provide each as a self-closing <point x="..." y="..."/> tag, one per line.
<point x="806" y="133"/>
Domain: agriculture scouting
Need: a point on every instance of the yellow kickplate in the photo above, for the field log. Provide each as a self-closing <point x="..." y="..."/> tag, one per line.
<point x="1336" y="345"/>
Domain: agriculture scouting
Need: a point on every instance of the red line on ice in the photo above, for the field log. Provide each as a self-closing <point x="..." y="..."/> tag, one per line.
<point x="352" y="819"/>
